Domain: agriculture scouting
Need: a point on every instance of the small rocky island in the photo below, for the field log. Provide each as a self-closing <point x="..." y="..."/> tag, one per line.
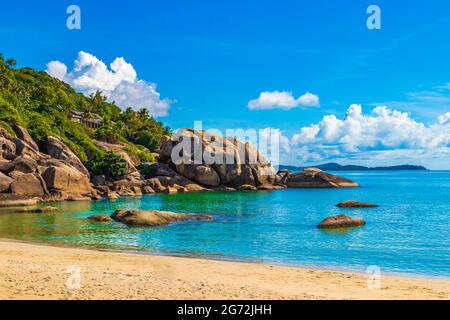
<point x="341" y="221"/>
<point x="154" y="218"/>
<point x="32" y="173"/>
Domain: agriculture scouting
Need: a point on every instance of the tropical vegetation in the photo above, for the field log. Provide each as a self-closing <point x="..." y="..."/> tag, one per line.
<point x="42" y="104"/>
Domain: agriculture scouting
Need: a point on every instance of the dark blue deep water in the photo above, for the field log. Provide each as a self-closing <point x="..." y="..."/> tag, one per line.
<point x="409" y="233"/>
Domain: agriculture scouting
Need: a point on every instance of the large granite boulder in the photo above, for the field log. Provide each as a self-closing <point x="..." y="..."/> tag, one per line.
<point x="165" y="149"/>
<point x="58" y="150"/>
<point x="28" y="175"/>
<point x="6" y="166"/>
<point x="151" y="170"/>
<point x="203" y="174"/>
<point x="23" y="135"/>
<point x="7" y="148"/>
<point x="27" y="184"/>
<point x="220" y="161"/>
<point x="66" y="180"/>
<point x="153" y="218"/>
<point x="341" y="221"/>
<point x="24" y="148"/>
<point x="161" y="176"/>
<point x="24" y="164"/>
<point x="315" y="178"/>
<point x="5" y="183"/>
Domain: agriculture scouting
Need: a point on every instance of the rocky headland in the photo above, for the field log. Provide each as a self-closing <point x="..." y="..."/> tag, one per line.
<point x="32" y="173"/>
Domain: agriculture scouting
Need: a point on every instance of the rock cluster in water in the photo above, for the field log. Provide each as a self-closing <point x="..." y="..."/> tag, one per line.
<point x="314" y="178"/>
<point x="31" y="173"/>
<point x="153" y="218"/>
<point x="243" y="167"/>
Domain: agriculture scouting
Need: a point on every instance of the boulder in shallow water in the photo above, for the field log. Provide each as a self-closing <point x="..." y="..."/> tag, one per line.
<point x="316" y="178"/>
<point x="356" y="204"/>
<point x="100" y="218"/>
<point x="14" y="200"/>
<point x="341" y="221"/>
<point x="37" y="210"/>
<point x="153" y="218"/>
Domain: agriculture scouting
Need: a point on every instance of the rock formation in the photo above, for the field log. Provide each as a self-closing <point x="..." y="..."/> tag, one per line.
<point x="314" y="178"/>
<point x="233" y="164"/>
<point x="100" y="218"/>
<point x="23" y="135"/>
<point x="153" y="218"/>
<point x="57" y="150"/>
<point x="341" y="221"/>
<point x="50" y="171"/>
<point x="28" y="175"/>
<point x="356" y="204"/>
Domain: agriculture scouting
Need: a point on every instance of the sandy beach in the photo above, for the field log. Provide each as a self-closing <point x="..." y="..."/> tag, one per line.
<point x="29" y="271"/>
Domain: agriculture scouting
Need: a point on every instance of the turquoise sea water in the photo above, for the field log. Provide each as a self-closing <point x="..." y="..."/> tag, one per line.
<point x="409" y="233"/>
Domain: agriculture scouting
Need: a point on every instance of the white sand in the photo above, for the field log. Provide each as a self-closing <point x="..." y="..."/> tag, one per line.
<point x="30" y="271"/>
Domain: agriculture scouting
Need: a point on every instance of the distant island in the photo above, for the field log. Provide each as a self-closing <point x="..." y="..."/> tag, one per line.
<point x="338" y="167"/>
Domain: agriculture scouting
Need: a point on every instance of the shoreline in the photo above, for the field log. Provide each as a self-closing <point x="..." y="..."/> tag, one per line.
<point x="229" y="260"/>
<point x="37" y="271"/>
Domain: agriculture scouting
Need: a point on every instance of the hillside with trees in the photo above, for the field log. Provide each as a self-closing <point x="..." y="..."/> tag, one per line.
<point x="42" y="104"/>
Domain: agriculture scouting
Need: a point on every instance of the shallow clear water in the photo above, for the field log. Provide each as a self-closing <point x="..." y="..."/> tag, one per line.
<point x="409" y="233"/>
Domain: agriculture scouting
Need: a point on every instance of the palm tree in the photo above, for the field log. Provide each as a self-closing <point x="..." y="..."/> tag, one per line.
<point x="11" y="63"/>
<point x="144" y="114"/>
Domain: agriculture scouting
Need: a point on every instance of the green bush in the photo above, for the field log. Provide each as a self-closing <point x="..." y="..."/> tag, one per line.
<point x="140" y="153"/>
<point x="149" y="139"/>
<point x="110" y="164"/>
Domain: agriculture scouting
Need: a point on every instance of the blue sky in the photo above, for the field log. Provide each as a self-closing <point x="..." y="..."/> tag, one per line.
<point x="210" y="58"/>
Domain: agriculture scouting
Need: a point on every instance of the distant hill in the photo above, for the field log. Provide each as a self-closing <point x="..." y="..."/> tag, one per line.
<point x="338" y="167"/>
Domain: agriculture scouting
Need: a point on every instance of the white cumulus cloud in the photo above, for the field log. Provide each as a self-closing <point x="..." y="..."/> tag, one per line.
<point x="384" y="131"/>
<point x="57" y="69"/>
<point x="119" y="82"/>
<point x="282" y="100"/>
<point x="444" y="119"/>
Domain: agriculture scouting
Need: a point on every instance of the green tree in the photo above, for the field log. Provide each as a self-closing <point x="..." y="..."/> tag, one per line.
<point x="11" y="63"/>
<point x="110" y="164"/>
